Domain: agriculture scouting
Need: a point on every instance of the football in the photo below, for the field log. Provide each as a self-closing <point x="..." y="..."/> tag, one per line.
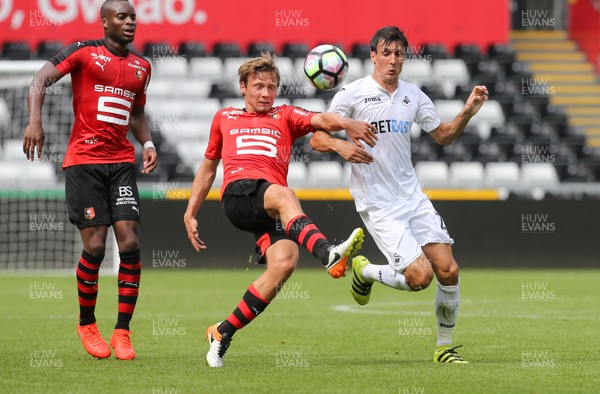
<point x="326" y="66"/>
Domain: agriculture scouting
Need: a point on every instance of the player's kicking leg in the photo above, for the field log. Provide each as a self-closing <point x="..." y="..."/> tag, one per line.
<point x="447" y="300"/>
<point x="281" y="259"/>
<point x="281" y="202"/>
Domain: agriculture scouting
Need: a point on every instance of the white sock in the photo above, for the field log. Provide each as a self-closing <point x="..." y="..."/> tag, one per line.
<point x="386" y="275"/>
<point x="447" y="300"/>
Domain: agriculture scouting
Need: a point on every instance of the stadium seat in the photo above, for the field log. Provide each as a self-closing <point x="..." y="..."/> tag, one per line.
<point x="257" y="47"/>
<point x="434" y="91"/>
<point x="161" y="88"/>
<point x="295" y="50"/>
<point x="38" y="175"/>
<point x="578" y="173"/>
<point x="11" y="173"/>
<point x="16" y="50"/>
<point x="193" y="88"/>
<point x="324" y="174"/>
<point x="203" y="108"/>
<point x="230" y="71"/>
<point x="170" y="67"/>
<point x="466" y="174"/>
<point x="225" y="50"/>
<point x="210" y="68"/>
<point x="502" y="174"/>
<point x="297" y="174"/>
<point x="12" y="150"/>
<point x="191" y="153"/>
<point x="434" y="51"/>
<point x="47" y="49"/>
<point x="592" y="163"/>
<point x="4" y="116"/>
<point x="448" y="73"/>
<point x="222" y="91"/>
<point x="192" y="49"/>
<point x="489" y="115"/>
<point x="538" y="175"/>
<point x="234" y="102"/>
<point x="502" y="53"/>
<point x="487" y="72"/>
<point x="355" y="70"/>
<point x="469" y="53"/>
<point x="163" y="110"/>
<point x="491" y="151"/>
<point x="448" y="109"/>
<point x="286" y="70"/>
<point x="418" y="73"/>
<point x="346" y="174"/>
<point x="455" y="152"/>
<point x="157" y="50"/>
<point x="311" y="104"/>
<point x="432" y="174"/>
<point x="361" y="51"/>
<point x="518" y="71"/>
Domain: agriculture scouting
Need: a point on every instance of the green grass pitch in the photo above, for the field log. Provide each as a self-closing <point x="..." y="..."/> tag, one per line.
<point x="523" y="331"/>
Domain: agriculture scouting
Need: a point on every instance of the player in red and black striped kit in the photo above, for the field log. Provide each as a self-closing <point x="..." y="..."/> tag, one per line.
<point x="255" y="145"/>
<point x="109" y="85"/>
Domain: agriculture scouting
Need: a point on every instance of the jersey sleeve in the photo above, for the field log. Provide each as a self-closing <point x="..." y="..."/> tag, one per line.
<point x="426" y="116"/>
<point x="298" y="120"/>
<point x="70" y="58"/>
<point x="215" y="141"/>
<point x="140" y="97"/>
<point x="342" y="103"/>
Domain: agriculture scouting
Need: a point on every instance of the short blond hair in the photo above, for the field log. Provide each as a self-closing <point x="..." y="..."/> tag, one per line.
<point x="265" y="63"/>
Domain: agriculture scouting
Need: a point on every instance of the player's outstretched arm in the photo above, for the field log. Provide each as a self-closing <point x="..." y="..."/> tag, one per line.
<point x="34" y="132"/>
<point x="141" y="131"/>
<point x="356" y="130"/>
<point x="200" y="188"/>
<point x="325" y="142"/>
<point x="448" y="131"/>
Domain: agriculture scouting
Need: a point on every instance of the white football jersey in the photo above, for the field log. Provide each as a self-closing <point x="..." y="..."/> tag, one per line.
<point x="391" y="177"/>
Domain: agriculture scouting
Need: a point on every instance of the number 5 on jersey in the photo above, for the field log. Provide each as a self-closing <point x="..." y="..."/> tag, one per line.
<point x="103" y="107"/>
<point x="256" y="145"/>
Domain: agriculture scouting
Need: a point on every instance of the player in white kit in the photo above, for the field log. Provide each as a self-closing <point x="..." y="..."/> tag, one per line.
<point x="388" y="197"/>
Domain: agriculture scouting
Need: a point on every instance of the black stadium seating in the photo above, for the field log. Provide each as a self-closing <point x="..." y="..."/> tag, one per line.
<point x="295" y="50"/>
<point x="225" y="50"/>
<point x="16" y="50"/>
<point x="192" y="49"/>
<point x="47" y="49"/>
<point x="435" y="51"/>
<point x="256" y="48"/>
<point x="361" y="51"/>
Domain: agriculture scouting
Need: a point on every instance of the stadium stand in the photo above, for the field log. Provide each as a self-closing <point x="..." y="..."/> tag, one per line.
<point x="543" y="107"/>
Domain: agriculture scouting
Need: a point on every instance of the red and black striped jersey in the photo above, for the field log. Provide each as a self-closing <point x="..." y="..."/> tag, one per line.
<point x="106" y="88"/>
<point x="257" y="146"/>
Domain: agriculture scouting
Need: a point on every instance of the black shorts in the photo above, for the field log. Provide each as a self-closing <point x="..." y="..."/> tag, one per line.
<point x="244" y="204"/>
<point x="101" y="194"/>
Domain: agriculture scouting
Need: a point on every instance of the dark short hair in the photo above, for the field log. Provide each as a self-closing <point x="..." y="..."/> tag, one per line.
<point x="388" y="34"/>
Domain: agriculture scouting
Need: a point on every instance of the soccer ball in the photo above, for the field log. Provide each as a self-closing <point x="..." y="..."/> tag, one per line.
<point x="325" y="66"/>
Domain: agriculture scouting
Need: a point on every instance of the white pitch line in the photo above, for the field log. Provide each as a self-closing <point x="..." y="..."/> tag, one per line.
<point x="366" y="311"/>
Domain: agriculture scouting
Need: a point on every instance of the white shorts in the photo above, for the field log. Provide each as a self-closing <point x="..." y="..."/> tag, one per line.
<point x="401" y="230"/>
